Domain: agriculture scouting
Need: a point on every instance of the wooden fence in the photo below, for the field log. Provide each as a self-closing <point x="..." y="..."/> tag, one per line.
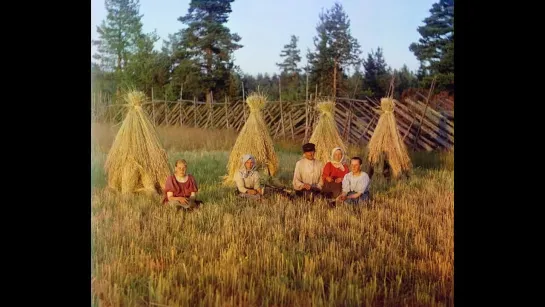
<point x="421" y="126"/>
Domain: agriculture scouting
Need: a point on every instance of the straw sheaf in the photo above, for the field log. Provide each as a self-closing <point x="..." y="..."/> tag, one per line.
<point x="326" y="136"/>
<point x="387" y="140"/>
<point x="137" y="160"/>
<point x="387" y="104"/>
<point x="256" y="101"/>
<point x="326" y="108"/>
<point x="254" y="139"/>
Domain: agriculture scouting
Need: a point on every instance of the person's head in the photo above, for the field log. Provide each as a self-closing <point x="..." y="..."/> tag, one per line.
<point x="355" y="164"/>
<point x="248" y="162"/>
<point x="337" y="154"/>
<point x="180" y="167"/>
<point x="308" y="151"/>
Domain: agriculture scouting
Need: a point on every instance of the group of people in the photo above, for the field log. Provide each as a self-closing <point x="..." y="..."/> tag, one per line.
<point x="336" y="181"/>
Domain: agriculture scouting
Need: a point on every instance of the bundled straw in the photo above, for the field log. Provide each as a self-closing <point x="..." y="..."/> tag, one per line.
<point x="326" y="136"/>
<point x="387" y="140"/>
<point x="254" y="139"/>
<point x="137" y="161"/>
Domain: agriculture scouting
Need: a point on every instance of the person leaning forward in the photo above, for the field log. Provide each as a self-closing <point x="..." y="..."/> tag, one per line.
<point x="307" y="177"/>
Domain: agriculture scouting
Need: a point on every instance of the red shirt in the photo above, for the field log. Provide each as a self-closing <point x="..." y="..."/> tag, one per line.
<point x="333" y="172"/>
<point x="180" y="189"/>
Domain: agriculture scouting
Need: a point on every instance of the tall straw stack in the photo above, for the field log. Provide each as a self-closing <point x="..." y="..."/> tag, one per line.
<point x="387" y="141"/>
<point x="137" y="161"/>
<point x="254" y="139"/>
<point x="326" y="136"/>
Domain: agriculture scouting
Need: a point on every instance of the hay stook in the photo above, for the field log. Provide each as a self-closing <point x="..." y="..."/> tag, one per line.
<point x="326" y="135"/>
<point x="137" y="161"/>
<point x="386" y="142"/>
<point x="254" y="139"/>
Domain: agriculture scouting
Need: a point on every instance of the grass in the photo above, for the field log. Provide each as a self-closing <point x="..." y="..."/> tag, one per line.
<point x="398" y="250"/>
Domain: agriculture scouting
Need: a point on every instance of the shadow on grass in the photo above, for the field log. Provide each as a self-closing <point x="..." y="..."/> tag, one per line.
<point x="433" y="160"/>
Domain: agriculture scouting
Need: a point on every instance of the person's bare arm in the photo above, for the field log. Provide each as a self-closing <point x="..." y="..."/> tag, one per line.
<point x="340" y="179"/>
<point x="355" y="195"/>
<point x="170" y="196"/>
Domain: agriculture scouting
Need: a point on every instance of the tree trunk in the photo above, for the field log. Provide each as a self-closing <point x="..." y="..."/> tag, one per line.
<point x="208" y="73"/>
<point x="209" y="97"/>
<point x="334" y="78"/>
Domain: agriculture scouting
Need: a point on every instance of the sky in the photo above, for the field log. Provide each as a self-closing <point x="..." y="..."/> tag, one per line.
<point x="266" y="26"/>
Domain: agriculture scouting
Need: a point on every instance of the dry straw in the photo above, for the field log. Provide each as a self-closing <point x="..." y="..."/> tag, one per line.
<point x="254" y="139"/>
<point x="387" y="141"/>
<point x="326" y="136"/>
<point x="137" y="161"/>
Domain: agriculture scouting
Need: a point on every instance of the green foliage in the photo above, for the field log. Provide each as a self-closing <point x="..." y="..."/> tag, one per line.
<point x="377" y="77"/>
<point x="291" y="56"/>
<point x="208" y="45"/>
<point x="335" y="49"/>
<point x="198" y="61"/>
<point x="435" y="48"/>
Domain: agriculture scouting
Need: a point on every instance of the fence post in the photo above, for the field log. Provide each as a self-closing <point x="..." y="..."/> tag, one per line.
<point x="195" y="110"/>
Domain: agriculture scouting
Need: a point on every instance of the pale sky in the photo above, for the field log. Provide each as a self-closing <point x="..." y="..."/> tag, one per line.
<point x="266" y="26"/>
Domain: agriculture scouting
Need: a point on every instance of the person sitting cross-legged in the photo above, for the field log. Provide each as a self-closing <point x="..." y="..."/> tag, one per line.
<point x="247" y="179"/>
<point x="355" y="185"/>
<point x="333" y="174"/>
<point x="181" y="188"/>
<point x="307" y="177"/>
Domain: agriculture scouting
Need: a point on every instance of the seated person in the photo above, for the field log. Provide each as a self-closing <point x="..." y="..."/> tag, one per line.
<point x="355" y="185"/>
<point x="307" y="178"/>
<point x="247" y="179"/>
<point x="181" y="188"/>
<point x="333" y="174"/>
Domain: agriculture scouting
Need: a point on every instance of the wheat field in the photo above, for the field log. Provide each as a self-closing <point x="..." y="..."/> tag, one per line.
<point x="396" y="251"/>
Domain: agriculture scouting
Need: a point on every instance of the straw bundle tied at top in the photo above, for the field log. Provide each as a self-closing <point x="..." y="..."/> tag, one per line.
<point x="386" y="139"/>
<point x="137" y="160"/>
<point x="254" y="139"/>
<point x="326" y="135"/>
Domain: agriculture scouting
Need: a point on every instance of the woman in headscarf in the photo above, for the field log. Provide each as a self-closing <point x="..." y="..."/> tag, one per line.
<point x="247" y="179"/>
<point x="333" y="173"/>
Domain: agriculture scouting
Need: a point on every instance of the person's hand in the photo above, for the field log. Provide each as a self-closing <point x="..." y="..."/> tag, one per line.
<point x="338" y="180"/>
<point x="306" y="186"/>
<point x="251" y="192"/>
<point x="328" y="179"/>
<point x="184" y="201"/>
<point x="342" y="197"/>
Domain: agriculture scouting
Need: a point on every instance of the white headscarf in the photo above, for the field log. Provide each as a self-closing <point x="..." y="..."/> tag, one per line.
<point x="337" y="164"/>
<point x="243" y="171"/>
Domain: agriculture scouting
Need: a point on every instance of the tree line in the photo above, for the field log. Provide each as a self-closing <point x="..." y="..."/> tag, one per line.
<point x="197" y="61"/>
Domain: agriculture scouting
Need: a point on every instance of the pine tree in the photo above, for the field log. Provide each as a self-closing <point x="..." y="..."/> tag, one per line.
<point x="435" y="48"/>
<point x="209" y="43"/>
